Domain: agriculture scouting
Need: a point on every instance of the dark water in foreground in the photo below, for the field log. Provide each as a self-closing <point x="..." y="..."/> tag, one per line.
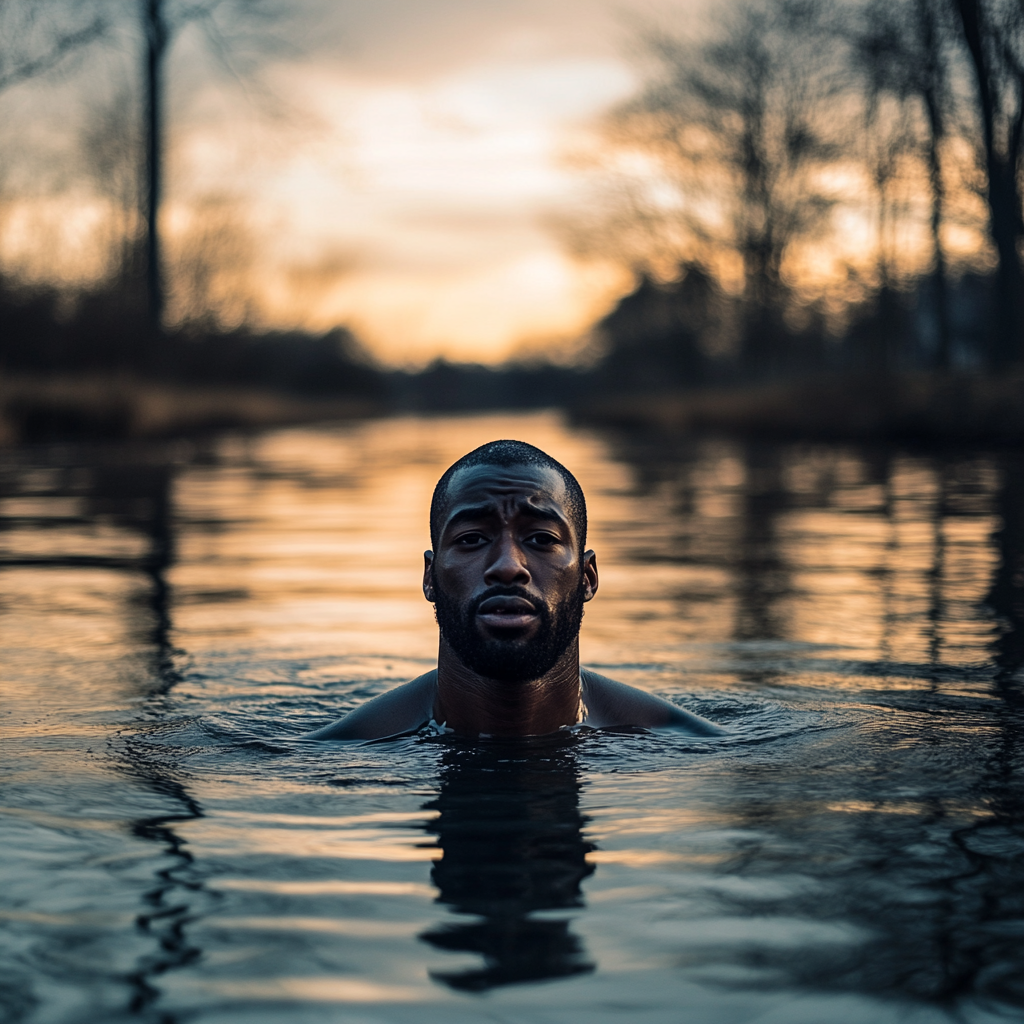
<point x="171" y="618"/>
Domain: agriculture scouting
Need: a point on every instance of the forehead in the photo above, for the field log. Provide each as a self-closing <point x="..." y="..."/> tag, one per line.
<point x="506" y="487"/>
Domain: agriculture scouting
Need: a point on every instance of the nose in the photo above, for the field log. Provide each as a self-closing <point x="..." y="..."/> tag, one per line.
<point x="508" y="565"/>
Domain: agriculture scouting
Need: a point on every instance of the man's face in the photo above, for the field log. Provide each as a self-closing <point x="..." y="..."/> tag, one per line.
<point x="507" y="579"/>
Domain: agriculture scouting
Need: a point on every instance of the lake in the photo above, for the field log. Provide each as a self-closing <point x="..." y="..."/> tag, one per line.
<point x="174" y="615"/>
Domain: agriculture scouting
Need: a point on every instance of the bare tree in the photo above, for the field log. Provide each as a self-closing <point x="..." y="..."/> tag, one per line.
<point x="210" y="260"/>
<point x="993" y="34"/>
<point x="36" y="36"/>
<point x="904" y="50"/>
<point x="110" y="143"/>
<point x="885" y="146"/>
<point x="740" y="124"/>
<point x="155" y="34"/>
<point x="230" y="27"/>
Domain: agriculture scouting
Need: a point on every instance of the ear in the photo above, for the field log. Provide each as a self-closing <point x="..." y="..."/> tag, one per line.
<point x="428" y="582"/>
<point x="590" y="580"/>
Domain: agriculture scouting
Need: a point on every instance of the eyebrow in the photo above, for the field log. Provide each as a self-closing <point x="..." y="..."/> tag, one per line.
<point x="477" y="512"/>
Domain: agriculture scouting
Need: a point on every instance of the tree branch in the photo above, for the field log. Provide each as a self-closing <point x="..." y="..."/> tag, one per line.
<point x="41" y="63"/>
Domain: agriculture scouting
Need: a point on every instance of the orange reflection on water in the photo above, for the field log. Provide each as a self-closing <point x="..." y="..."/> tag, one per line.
<point x="308" y="542"/>
<point x="219" y="598"/>
<point x="212" y="837"/>
<point x="317" y="990"/>
<point x="645" y="858"/>
<point x="359" y="928"/>
<point x="327" y="887"/>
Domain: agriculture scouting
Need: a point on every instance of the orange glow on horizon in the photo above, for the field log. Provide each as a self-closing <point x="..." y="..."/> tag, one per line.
<point x="417" y="212"/>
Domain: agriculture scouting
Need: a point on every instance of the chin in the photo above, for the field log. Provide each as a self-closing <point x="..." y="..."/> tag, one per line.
<point x="510" y="661"/>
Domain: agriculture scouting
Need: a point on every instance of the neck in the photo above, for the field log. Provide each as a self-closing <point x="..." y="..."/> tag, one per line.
<point x="473" y="705"/>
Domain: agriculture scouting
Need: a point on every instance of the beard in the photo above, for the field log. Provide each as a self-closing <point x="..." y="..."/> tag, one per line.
<point x="516" y="660"/>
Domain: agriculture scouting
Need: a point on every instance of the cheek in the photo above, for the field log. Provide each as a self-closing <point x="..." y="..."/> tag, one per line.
<point x="454" y="574"/>
<point x="563" y="579"/>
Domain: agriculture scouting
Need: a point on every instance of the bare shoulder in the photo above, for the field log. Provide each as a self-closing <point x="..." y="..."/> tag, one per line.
<point x="611" y="703"/>
<point x="401" y="710"/>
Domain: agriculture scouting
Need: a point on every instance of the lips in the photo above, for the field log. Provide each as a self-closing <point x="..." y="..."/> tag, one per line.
<point x="506" y="612"/>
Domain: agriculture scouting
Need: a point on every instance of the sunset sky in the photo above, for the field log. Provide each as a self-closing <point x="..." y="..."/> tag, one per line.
<point x="442" y="194"/>
<point x="401" y="168"/>
<point x="400" y="174"/>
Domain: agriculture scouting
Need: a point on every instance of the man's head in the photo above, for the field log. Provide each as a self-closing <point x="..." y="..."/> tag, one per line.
<point x="505" y="454"/>
<point x="508" y="574"/>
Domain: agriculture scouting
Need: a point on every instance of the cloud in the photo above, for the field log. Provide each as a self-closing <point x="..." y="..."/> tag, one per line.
<point x="436" y="194"/>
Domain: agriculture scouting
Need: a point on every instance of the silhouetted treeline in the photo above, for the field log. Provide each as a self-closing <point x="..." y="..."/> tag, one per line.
<point x="685" y="335"/>
<point x="458" y="387"/>
<point x="88" y="367"/>
<point x="49" y="333"/>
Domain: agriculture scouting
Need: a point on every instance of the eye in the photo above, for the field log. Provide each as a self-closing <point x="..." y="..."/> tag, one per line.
<point x="470" y="540"/>
<point x="543" y="539"/>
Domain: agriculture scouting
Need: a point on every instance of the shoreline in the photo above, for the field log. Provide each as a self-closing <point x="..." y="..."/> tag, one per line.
<point x="124" y="407"/>
<point x="920" y="407"/>
<point x="923" y="407"/>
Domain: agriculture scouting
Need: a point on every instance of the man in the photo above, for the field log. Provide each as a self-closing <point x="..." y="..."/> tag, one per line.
<point x="509" y="576"/>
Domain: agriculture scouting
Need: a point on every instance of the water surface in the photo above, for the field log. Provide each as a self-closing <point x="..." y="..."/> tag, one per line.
<point x="173" y="617"/>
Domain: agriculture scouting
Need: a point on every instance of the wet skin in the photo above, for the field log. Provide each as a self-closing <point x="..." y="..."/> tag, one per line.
<point x="507" y="527"/>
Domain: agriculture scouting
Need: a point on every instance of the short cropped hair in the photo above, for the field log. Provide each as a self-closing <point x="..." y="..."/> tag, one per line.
<point x="511" y="453"/>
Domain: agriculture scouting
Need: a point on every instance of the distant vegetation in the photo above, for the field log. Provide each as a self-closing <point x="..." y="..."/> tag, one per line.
<point x="818" y="187"/>
<point x="102" y="331"/>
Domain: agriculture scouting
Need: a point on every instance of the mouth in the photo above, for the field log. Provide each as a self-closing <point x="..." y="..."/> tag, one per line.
<point x="507" y="613"/>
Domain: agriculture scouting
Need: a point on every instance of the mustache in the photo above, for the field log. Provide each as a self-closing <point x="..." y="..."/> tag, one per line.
<point x="534" y="601"/>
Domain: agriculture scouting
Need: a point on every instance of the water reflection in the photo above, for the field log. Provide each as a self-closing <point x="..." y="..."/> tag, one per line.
<point x="888" y="554"/>
<point x="171" y="903"/>
<point x="763" y="579"/>
<point x="1006" y="595"/>
<point x="102" y="509"/>
<point x="799" y="586"/>
<point x="511" y="831"/>
<point x="137" y="495"/>
<point x="915" y="864"/>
